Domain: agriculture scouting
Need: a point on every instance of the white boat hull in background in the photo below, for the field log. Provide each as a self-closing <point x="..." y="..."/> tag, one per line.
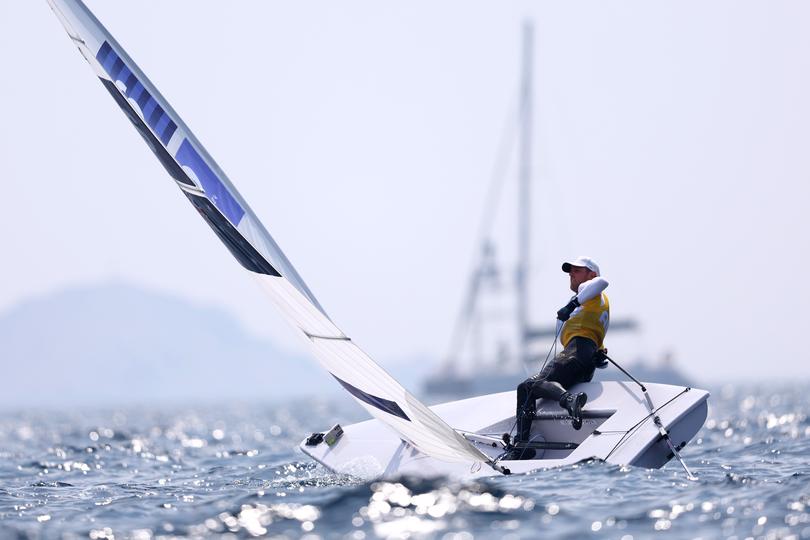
<point x="618" y="428"/>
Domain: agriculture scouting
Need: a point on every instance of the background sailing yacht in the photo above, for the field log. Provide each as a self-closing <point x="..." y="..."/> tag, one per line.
<point x="494" y="344"/>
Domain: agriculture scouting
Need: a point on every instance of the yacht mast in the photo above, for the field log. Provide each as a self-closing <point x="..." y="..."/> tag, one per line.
<point x="524" y="194"/>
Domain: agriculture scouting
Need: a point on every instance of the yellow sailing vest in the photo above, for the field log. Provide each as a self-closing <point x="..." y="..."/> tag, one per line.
<point x="589" y="320"/>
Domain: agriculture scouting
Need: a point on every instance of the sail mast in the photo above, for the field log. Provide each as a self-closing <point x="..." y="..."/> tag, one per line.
<point x="524" y="194"/>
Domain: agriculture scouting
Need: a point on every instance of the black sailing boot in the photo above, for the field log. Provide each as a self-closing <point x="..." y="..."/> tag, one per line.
<point x="524" y="428"/>
<point x="573" y="403"/>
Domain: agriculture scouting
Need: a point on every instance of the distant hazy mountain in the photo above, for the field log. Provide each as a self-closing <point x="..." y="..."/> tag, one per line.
<point x="115" y="343"/>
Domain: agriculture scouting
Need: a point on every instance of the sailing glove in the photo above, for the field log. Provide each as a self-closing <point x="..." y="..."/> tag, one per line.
<point x="565" y="312"/>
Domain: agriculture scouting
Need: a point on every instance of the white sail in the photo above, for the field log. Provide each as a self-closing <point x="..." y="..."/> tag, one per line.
<point x="223" y="208"/>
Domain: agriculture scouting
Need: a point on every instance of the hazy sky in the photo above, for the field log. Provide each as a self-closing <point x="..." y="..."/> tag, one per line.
<point x="670" y="145"/>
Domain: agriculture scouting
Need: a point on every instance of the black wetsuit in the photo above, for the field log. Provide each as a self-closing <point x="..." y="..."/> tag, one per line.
<point x="573" y="365"/>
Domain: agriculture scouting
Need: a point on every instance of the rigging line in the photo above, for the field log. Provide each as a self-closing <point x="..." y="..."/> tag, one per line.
<point x="638" y="424"/>
<point x="497" y="174"/>
<point x="553" y="346"/>
<point x="499" y="171"/>
<point x="552" y="349"/>
<point x="657" y="420"/>
<point x="635" y="427"/>
<point x="482" y="438"/>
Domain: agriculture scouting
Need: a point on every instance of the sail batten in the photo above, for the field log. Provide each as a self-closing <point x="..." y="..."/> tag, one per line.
<point x="229" y="216"/>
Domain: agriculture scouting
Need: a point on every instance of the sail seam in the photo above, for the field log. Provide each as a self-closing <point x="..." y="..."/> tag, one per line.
<point x="332" y="338"/>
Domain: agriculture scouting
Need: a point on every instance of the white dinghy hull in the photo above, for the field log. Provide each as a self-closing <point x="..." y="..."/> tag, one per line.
<point x="618" y="427"/>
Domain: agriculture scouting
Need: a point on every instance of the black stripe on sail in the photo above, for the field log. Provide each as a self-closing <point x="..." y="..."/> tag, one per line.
<point x="385" y="405"/>
<point x="237" y="244"/>
<point x="165" y="158"/>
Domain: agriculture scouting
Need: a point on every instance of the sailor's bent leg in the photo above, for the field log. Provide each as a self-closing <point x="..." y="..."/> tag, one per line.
<point x="549" y="390"/>
<point x="543" y="385"/>
<point x="568" y="369"/>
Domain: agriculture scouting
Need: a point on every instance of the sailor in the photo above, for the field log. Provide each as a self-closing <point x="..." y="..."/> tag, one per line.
<point x="581" y="325"/>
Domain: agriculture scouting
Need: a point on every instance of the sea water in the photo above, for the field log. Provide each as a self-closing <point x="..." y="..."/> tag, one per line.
<point x="233" y="471"/>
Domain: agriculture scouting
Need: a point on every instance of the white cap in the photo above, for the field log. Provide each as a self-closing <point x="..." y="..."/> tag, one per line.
<point x="584" y="262"/>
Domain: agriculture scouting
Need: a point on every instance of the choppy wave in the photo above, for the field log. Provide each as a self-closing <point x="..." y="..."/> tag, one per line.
<point x="234" y="471"/>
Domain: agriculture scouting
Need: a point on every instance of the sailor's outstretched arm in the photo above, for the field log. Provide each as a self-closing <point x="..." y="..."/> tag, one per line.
<point x="591" y="289"/>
